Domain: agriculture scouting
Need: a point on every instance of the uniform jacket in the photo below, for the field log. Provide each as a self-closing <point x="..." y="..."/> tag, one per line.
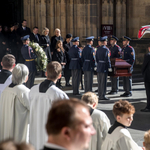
<point x="33" y="38"/>
<point x="146" y="67"/>
<point x="128" y="54"/>
<point x="102" y="59"/>
<point x="75" y="58"/>
<point x="54" y="40"/>
<point x="27" y="55"/>
<point x="88" y="59"/>
<point x="115" y="51"/>
<point x="44" y="40"/>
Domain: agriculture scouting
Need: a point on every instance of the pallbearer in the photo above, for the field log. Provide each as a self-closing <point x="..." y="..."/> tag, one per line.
<point x="128" y="55"/>
<point x="103" y="63"/>
<point x="75" y="65"/>
<point x="115" y="53"/>
<point x="88" y="61"/>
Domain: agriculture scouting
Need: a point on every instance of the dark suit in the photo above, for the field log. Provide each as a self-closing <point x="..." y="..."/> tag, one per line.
<point x="44" y="40"/>
<point x="67" y="71"/>
<point x="34" y="38"/>
<point x="22" y="32"/>
<point x="146" y="74"/>
<point x="48" y="148"/>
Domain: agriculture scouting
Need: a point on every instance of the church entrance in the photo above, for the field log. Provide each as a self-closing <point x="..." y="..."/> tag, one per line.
<point x="11" y="11"/>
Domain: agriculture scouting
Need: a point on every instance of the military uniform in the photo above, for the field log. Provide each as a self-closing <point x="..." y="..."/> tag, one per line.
<point x="29" y="57"/>
<point x="75" y="66"/>
<point x="128" y="54"/>
<point x="103" y="63"/>
<point x="88" y="61"/>
<point x="115" y="53"/>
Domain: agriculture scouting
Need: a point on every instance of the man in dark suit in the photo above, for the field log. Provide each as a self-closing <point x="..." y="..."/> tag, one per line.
<point x="146" y="74"/>
<point x="34" y="36"/>
<point x="69" y="126"/>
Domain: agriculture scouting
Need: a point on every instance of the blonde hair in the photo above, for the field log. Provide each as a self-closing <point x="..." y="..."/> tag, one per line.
<point x="147" y="139"/>
<point x="90" y="98"/>
<point x="44" y="29"/>
<point x="57" y="29"/>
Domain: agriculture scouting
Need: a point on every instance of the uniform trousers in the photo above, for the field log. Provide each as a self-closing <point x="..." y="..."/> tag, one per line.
<point x="127" y="83"/>
<point x="76" y="77"/>
<point x="88" y="80"/>
<point x="67" y="73"/>
<point x="114" y="84"/>
<point x="30" y="81"/>
<point x="147" y="87"/>
<point x="102" y="81"/>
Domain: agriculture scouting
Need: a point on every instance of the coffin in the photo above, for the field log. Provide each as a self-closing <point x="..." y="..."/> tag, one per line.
<point x="119" y="68"/>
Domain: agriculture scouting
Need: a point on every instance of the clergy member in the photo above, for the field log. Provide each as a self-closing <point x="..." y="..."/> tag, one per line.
<point x="69" y="126"/>
<point x="8" y="63"/>
<point x="118" y="137"/>
<point x="14" y="106"/>
<point x="101" y="122"/>
<point x="41" y="97"/>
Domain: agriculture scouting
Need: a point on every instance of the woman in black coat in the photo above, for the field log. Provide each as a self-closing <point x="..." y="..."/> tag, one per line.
<point x="45" y="43"/>
<point x="59" y="55"/>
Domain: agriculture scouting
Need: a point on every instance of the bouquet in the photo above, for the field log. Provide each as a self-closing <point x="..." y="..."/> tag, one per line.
<point x="41" y="60"/>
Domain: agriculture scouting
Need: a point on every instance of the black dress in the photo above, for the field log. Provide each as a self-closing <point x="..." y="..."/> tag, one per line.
<point x="44" y="40"/>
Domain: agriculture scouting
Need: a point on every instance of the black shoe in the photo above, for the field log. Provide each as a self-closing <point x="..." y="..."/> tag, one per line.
<point x="126" y="95"/>
<point x="104" y="98"/>
<point x="112" y="93"/>
<point x="145" y="110"/>
<point x="96" y="90"/>
<point x="77" y="94"/>
<point x="68" y="85"/>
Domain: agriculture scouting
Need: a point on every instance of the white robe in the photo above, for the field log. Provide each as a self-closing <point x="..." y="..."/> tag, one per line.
<point x="14" y="113"/>
<point x="119" y="139"/>
<point x="40" y="106"/>
<point x="101" y="124"/>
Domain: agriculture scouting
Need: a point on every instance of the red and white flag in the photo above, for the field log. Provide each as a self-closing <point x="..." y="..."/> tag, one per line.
<point x="145" y="29"/>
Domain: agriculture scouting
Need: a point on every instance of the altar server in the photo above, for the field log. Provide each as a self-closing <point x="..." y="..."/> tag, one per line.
<point x="118" y="137"/>
<point x="41" y="97"/>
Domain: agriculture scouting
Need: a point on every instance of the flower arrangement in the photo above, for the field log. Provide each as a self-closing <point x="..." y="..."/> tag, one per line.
<point x="41" y="60"/>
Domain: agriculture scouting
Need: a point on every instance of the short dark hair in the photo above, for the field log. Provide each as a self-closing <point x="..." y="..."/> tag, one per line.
<point x="35" y="27"/>
<point x="23" y="20"/>
<point x="8" y="61"/>
<point x="63" y="114"/>
<point x="123" y="107"/>
<point x="54" y="69"/>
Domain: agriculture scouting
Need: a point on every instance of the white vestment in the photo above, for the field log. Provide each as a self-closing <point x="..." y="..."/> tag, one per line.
<point x="14" y="113"/>
<point x="119" y="139"/>
<point x="7" y="82"/>
<point x="40" y="106"/>
<point x="101" y="124"/>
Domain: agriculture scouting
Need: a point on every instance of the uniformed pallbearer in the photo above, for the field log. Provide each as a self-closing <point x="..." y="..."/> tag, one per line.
<point x="128" y="55"/>
<point x="115" y="53"/>
<point x="75" y="65"/>
<point x="29" y="57"/>
<point x="103" y="64"/>
<point x="88" y="61"/>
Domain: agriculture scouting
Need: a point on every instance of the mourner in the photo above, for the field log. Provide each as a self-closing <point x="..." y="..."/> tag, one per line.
<point x="115" y="53"/>
<point x="34" y="36"/>
<point x="118" y="137"/>
<point x="146" y="142"/>
<point x="8" y="63"/>
<point x="103" y="64"/>
<point x="67" y="44"/>
<point x="88" y="60"/>
<point x="128" y="55"/>
<point x="41" y="98"/>
<point x="146" y="74"/>
<point x="76" y="129"/>
<point x="29" y="58"/>
<point x="14" y="106"/>
<point x="101" y="122"/>
<point x="75" y="65"/>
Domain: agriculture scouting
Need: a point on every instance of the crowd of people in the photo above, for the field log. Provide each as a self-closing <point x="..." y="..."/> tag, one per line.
<point x="43" y="114"/>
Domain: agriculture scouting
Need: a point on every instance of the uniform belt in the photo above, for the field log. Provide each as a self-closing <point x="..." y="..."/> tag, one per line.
<point x="74" y="58"/>
<point x="87" y="60"/>
<point x="102" y="61"/>
<point x="29" y="60"/>
<point x="127" y="60"/>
